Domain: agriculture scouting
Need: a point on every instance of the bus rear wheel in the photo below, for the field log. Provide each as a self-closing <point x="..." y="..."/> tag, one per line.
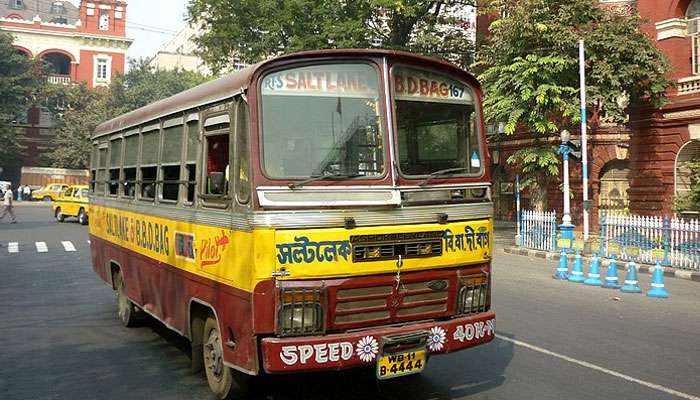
<point x="225" y="382"/>
<point x="125" y="308"/>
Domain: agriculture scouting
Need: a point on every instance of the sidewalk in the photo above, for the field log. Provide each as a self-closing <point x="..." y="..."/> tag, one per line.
<point x="501" y="241"/>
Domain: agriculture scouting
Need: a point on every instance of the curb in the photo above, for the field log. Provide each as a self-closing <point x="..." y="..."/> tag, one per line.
<point x="643" y="268"/>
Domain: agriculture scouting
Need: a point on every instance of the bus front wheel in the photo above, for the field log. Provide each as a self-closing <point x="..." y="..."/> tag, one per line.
<point x="126" y="310"/>
<point x="225" y="382"/>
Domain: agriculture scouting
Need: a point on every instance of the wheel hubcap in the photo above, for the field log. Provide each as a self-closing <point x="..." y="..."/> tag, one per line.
<point x="213" y="359"/>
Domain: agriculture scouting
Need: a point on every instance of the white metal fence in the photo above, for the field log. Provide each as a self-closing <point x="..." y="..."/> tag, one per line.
<point x="539" y="230"/>
<point x="673" y="241"/>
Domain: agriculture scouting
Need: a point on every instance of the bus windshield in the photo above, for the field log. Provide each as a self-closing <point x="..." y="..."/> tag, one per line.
<point x="436" y="124"/>
<point x="322" y="120"/>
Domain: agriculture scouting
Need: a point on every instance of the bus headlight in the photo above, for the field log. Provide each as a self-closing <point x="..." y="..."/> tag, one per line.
<point x="473" y="294"/>
<point x="300" y="312"/>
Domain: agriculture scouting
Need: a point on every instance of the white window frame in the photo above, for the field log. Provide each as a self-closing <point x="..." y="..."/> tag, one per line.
<point x="107" y="60"/>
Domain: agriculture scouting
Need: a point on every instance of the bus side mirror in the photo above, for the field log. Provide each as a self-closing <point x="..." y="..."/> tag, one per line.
<point x="216" y="182"/>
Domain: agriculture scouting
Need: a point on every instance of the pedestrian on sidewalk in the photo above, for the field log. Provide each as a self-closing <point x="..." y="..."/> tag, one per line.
<point x="20" y="192"/>
<point x="7" y="206"/>
<point x="27" y="193"/>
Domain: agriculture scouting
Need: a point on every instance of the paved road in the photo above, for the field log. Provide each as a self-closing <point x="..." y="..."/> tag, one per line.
<point x="61" y="338"/>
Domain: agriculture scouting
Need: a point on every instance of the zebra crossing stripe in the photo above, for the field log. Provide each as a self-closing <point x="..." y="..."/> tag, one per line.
<point x="41" y="247"/>
<point x="68" y="246"/>
<point x="13" y="247"/>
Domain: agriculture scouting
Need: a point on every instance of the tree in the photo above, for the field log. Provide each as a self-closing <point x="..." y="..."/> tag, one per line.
<point x="20" y="78"/>
<point x="256" y="29"/>
<point x="530" y="68"/>
<point x="80" y="109"/>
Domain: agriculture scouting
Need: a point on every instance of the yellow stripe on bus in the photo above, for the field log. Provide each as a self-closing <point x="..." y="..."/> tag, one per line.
<point x="242" y="259"/>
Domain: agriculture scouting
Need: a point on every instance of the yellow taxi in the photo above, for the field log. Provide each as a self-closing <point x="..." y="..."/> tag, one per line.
<point x="49" y="192"/>
<point x="72" y="202"/>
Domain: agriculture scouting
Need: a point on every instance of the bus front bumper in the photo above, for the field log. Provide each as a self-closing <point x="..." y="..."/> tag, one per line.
<point x="346" y="350"/>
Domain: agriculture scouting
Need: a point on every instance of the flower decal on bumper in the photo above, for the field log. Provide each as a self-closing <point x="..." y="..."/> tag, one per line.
<point x="367" y="348"/>
<point x="436" y="338"/>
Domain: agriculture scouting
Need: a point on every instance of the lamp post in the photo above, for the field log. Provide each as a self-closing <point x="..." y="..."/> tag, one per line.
<point x="566" y="228"/>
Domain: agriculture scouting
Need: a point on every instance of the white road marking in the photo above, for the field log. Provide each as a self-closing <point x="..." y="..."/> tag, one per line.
<point x="13" y="247"/>
<point x="68" y="246"/>
<point x="601" y="369"/>
<point x="41" y="247"/>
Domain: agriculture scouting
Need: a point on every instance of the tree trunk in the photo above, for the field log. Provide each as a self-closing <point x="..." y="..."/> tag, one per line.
<point x="538" y="198"/>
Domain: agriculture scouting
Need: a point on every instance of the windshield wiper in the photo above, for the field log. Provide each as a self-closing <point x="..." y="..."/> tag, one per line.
<point x="330" y="177"/>
<point x="440" y="173"/>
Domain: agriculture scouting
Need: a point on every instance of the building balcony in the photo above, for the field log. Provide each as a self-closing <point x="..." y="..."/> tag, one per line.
<point x="689" y="85"/>
<point x="59" y="79"/>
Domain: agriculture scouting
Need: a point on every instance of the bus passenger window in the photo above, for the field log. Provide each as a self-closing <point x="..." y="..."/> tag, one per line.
<point x="93" y="167"/>
<point x="217" y="164"/>
<point x="131" y="149"/>
<point x="149" y="164"/>
<point x="242" y="156"/>
<point x="170" y="161"/>
<point x="115" y="161"/>
<point x="101" y="171"/>
<point x="191" y="160"/>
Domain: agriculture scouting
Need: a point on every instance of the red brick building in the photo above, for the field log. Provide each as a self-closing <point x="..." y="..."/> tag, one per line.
<point x="638" y="167"/>
<point x="86" y="43"/>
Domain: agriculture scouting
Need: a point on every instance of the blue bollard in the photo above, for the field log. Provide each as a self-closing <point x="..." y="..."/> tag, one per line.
<point x="631" y="281"/>
<point x="576" y="275"/>
<point x="594" y="273"/>
<point x="611" y="279"/>
<point x="658" y="289"/>
<point x="562" y="271"/>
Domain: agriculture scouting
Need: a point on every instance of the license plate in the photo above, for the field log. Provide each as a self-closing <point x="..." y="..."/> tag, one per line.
<point x="399" y="364"/>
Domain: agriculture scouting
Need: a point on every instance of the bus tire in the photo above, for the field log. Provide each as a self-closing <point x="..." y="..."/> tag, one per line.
<point x="82" y="217"/>
<point x="126" y="310"/>
<point x="225" y="382"/>
<point x="59" y="215"/>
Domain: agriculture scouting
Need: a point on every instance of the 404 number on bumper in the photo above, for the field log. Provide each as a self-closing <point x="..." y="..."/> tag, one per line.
<point x="368" y="347"/>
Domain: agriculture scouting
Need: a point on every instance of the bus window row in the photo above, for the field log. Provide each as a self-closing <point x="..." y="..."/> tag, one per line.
<point x="177" y="160"/>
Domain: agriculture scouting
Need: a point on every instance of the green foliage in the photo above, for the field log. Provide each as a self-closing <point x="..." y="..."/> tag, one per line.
<point x="539" y="166"/>
<point x="20" y="78"/>
<point x="80" y="110"/>
<point x="531" y="67"/>
<point x="256" y="29"/>
<point x="530" y="71"/>
<point x="690" y="201"/>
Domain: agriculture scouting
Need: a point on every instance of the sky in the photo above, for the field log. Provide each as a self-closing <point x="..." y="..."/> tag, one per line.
<point x="146" y="16"/>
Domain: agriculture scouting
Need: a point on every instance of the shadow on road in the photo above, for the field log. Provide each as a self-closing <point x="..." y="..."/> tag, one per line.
<point x="446" y="377"/>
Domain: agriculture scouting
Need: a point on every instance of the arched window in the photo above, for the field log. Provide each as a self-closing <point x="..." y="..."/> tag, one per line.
<point x="614" y="183"/>
<point x="689" y="152"/>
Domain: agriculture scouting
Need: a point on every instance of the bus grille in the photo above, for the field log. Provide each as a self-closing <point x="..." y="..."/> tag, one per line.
<point x="385" y="303"/>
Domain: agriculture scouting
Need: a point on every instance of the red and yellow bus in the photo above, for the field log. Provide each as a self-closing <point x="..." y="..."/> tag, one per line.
<point x="317" y="211"/>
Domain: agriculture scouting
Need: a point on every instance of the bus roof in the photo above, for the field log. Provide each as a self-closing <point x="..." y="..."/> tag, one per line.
<point x="237" y="82"/>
